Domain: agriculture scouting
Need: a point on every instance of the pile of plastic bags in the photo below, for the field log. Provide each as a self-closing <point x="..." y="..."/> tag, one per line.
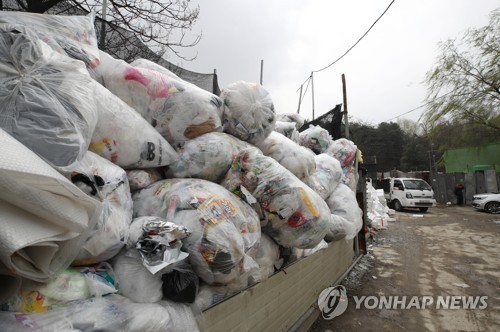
<point x="129" y="197"/>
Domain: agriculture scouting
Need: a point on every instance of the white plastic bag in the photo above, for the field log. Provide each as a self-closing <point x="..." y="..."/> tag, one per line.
<point x="268" y="257"/>
<point x="224" y="229"/>
<point x="288" y="129"/>
<point x="327" y="176"/>
<point x="343" y="150"/>
<point x="295" y="118"/>
<point x="249" y="111"/>
<point x="291" y="212"/>
<point x="297" y="159"/>
<point x="315" y="138"/>
<point x="342" y="202"/>
<point x="178" y="110"/>
<point x="45" y="97"/>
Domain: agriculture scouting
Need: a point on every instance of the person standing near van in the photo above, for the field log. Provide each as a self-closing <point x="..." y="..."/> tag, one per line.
<point x="459" y="192"/>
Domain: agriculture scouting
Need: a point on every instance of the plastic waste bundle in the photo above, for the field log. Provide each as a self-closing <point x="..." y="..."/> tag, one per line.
<point x="178" y="110"/>
<point x="249" y="111"/>
<point x="141" y="178"/>
<point x="297" y="159"/>
<point x="342" y="203"/>
<point x="288" y="129"/>
<point x="268" y="257"/>
<point x="73" y="36"/>
<point x="124" y="137"/>
<point x="377" y="210"/>
<point x="327" y="176"/>
<point x="291" y="212"/>
<point x="45" y="218"/>
<point x="295" y="118"/>
<point x="207" y="157"/>
<point x="44" y="99"/>
<point x="302" y="253"/>
<point x="225" y="230"/>
<point x="106" y="182"/>
<point x="343" y="150"/>
<point x="315" y="138"/>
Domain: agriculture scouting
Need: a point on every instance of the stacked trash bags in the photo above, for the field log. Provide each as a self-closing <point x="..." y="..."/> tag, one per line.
<point x="132" y="200"/>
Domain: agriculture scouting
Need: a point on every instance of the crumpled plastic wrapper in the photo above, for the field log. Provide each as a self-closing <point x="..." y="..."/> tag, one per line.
<point x="288" y="129"/>
<point x="327" y="176"/>
<point x="107" y="182"/>
<point x="342" y="203"/>
<point x="297" y="159"/>
<point x="124" y="137"/>
<point x="207" y="157"/>
<point x="225" y="230"/>
<point x="45" y="97"/>
<point x="141" y="178"/>
<point x="291" y="212"/>
<point x="315" y="138"/>
<point x="295" y="118"/>
<point x="249" y="111"/>
<point x="178" y="110"/>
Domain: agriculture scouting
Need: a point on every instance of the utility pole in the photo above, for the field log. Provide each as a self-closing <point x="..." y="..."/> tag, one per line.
<point x="312" y="92"/>
<point x="300" y="100"/>
<point x="261" y="70"/>
<point x="346" y="119"/>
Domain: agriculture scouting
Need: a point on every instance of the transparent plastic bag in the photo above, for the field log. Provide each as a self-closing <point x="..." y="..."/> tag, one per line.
<point x="288" y="129"/>
<point x="178" y="110"/>
<point x="297" y="159"/>
<point x="342" y="202"/>
<point x="343" y="150"/>
<point x="268" y="257"/>
<point x="315" y="138"/>
<point x="295" y="118"/>
<point x="207" y="157"/>
<point x="291" y="212"/>
<point x="302" y="253"/>
<point x="45" y="97"/>
<point x="224" y="229"/>
<point x="124" y="137"/>
<point x="327" y="176"/>
<point x="141" y="178"/>
<point x="249" y="111"/>
<point x="107" y="182"/>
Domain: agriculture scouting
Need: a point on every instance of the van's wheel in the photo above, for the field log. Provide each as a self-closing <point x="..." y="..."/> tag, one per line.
<point x="493" y="207"/>
<point x="397" y="205"/>
<point x="423" y="209"/>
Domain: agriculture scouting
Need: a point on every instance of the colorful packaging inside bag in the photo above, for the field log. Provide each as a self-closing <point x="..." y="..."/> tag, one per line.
<point x="315" y="138"/>
<point x="224" y="229"/>
<point x="327" y="176"/>
<point x="343" y="150"/>
<point x="291" y="212"/>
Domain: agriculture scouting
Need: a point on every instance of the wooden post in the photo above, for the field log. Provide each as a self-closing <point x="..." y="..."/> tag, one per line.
<point x="261" y="70"/>
<point x="346" y="119"/>
<point x="300" y="100"/>
<point x="312" y="92"/>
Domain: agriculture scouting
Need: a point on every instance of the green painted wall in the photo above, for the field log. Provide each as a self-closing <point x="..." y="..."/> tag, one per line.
<point x="468" y="160"/>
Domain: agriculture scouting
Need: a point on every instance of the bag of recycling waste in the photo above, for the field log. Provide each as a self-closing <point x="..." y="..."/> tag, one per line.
<point x="124" y="137"/>
<point x="350" y="177"/>
<point x="225" y="230"/>
<point x="302" y="253"/>
<point x="73" y="36"/>
<point x="44" y="218"/>
<point x="249" y="111"/>
<point x="295" y="118"/>
<point x="342" y="202"/>
<point x="339" y="228"/>
<point x="106" y="182"/>
<point x="141" y="178"/>
<point x="290" y="212"/>
<point x="268" y="257"/>
<point x="207" y="157"/>
<point x="343" y="150"/>
<point x="178" y="110"/>
<point x="288" y="129"/>
<point x="45" y="97"/>
<point x="295" y="158"/>
<point x="327" y="176"/>
<point x="315" y="138"/>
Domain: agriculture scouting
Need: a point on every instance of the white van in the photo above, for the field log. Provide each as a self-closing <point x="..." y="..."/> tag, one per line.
<point x="402" y="193"/>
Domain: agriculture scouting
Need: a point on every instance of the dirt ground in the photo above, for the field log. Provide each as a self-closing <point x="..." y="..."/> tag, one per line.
<point x="450" y="251"/>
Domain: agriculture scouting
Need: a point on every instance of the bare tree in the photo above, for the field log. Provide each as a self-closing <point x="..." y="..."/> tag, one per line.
<point x="131" y="26"/>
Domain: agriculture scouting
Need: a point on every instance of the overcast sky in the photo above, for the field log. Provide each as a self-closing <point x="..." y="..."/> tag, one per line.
<point x="384" y="72"/>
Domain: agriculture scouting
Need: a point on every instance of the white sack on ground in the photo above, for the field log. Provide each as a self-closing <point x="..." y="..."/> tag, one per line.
<point x="44" y="218"/>
<point x="295" y="118"/>
<point x="225" y="230"/>
<point x="287" y="129"/>
<point x="141" y="178"/>
<point x="342" y="202"/>
<point x="291" y="212"/>
<point x="45" y="97"/>
<point x="295" y="158"/>
<point x="249" y="111"/>
<point x="178" y="110"/>
<point x="73" y="36"/>
<point x="315" y="138"/>
<point x="327" y="176"/>
<point x="108" y="183"/>
<point x="376" y="206"/>
<point x="124" y="137"/>
<point x="207" y="157"/>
